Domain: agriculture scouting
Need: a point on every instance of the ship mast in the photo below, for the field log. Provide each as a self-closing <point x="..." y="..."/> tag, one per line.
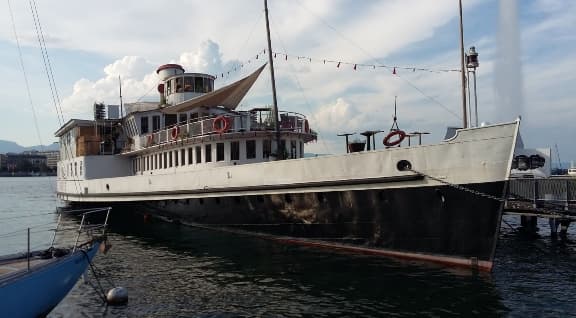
<point x="463" y="70"/>
<point x="276" y="142"/>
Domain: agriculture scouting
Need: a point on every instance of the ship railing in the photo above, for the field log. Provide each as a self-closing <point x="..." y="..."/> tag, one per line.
<point x="242" y="121"/>
<point x="92" y="227"/>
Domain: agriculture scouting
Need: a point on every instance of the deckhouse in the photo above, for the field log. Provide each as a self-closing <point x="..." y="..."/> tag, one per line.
<point x="192" y="127"/>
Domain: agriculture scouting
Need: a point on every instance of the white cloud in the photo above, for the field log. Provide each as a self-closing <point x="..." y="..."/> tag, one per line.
<point x="138" y="36"/>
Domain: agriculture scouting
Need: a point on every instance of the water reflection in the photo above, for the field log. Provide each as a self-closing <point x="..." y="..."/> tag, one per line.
<point x="172" y="270"/>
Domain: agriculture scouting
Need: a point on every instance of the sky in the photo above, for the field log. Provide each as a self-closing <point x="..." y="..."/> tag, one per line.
<point x="526" y="53"/>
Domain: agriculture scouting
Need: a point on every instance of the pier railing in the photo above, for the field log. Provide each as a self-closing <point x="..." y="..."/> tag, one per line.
<point x="550" y="192"/>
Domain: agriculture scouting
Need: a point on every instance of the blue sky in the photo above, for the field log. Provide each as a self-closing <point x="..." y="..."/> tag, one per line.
<point x="91" y="43"/>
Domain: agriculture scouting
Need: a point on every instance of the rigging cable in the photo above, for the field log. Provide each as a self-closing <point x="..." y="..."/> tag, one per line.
<point x="374" y="59"/>
<point x="46" y="60"/>
<point x="51" y="82"/>
<point x="300" y="87"/>
<point x="245" y="43"/>
<point x="26" y="82"/>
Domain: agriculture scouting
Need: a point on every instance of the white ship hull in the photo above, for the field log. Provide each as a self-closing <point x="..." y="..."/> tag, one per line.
<point x="366" y="197"/>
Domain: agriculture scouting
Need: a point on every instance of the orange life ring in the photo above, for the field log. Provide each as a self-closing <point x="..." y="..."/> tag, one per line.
<point x="174" y="132"/>
<point x="220" y="124"/>
<point x="149" y="140"/>
<point x="401" y="135"/>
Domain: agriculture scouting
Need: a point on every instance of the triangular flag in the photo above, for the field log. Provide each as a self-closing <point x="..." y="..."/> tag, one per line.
<point x="338" y="64"/>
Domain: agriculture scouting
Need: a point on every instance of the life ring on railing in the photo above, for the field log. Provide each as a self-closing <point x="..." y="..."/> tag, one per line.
<point x="401" y="135"/>
<point x="221" y="124"/>
<point x="149" y="140"/>
<point x="174" y="132"/>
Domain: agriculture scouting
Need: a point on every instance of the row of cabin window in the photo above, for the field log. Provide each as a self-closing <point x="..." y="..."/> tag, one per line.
<point x="169" y="121"/>
<point x="168" y="159"/>
<point x="189" y="84"/>
<point x="71" y="169"/>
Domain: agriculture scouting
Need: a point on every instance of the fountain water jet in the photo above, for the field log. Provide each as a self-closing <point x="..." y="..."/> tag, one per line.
<point x="508" y="71"/>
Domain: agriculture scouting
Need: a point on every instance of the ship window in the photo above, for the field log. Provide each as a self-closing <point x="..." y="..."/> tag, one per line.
<point x="155" y="123"/>
<point x="176" y="158"/>
<point x="76" y="168"/>
<point x="266" y="148"/>
<point x="179" y="87"/>
<point x="165" y="160"/>
<point x="198" y="83"/>
<point x="301" y="149"/>
<point x="208" y="153"/>
<point x="144" y="124"/>
<point x="220" y="151"/>
<point x="250" y="149"/>
<point x="189" y="156"/>
<point x="207" y="85"/>
<point x="293" y="149"/>
<point x="169" y="120"/>
<point x="156" y="161"/>
<point x="81" y="167"/>
<point x="168" y="87"/>
<point x="170" y="159"/>
<point x="198" y="154"/>
<point x="182" y="157"/>
<point x="188" y="84"/>
<point x="193" y="116"/>
<point x="235" y="150"/>
<point x="182" y="118"/>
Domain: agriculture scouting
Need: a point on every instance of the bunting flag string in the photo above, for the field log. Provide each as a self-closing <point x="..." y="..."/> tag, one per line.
<point x="339" y="64"/>
<point x="357" y="66"/>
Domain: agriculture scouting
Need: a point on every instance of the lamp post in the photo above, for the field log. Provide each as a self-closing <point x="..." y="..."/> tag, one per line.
<point x="471" y="65"/>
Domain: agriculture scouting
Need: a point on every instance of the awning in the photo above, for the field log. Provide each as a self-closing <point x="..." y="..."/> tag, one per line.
<point x="227" y="96"/>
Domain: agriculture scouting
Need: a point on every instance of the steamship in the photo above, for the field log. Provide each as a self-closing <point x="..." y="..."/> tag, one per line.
<point x="195" y="158"/>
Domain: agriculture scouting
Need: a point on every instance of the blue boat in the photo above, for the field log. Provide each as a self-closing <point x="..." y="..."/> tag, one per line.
<point x="34" y="282"/>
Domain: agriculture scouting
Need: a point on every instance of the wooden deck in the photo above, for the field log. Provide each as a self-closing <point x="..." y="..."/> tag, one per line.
<point x="8" y="268"/>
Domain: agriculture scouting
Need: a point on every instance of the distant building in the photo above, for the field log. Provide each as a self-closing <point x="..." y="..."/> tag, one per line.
<point x="25" y="162"/>
<point x="52" y="158"/>
<point x="3" y="163"/>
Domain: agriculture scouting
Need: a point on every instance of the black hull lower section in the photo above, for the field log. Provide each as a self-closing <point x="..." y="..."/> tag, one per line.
<point x="440" y="223"/>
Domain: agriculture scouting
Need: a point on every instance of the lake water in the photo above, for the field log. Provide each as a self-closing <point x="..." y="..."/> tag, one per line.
<point x="178" y="271"/>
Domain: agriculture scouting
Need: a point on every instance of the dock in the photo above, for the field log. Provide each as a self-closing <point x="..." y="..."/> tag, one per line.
<point x="552" y="198"/>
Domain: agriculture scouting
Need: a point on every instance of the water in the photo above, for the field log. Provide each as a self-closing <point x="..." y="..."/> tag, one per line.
<point x="176" y="271"/>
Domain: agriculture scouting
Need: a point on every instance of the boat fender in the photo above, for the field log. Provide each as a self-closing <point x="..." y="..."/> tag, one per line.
<point x="174" y="132"/>
<point x="221" y="124"/>
<point x="387" y="140"/>
<point x="117" y="296"/>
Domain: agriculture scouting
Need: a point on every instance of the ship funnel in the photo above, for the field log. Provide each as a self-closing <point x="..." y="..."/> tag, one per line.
<point x="167" y="70"/>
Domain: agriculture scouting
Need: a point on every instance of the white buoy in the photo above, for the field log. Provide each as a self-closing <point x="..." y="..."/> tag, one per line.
<point x="117" y="296"/>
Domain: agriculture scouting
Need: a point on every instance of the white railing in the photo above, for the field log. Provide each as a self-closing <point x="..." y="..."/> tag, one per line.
<point x="243" y="121"/>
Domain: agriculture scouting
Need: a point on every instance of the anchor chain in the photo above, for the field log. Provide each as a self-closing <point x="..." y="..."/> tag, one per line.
<point x="459" y="187"/>
<point x="492" y="197"/>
